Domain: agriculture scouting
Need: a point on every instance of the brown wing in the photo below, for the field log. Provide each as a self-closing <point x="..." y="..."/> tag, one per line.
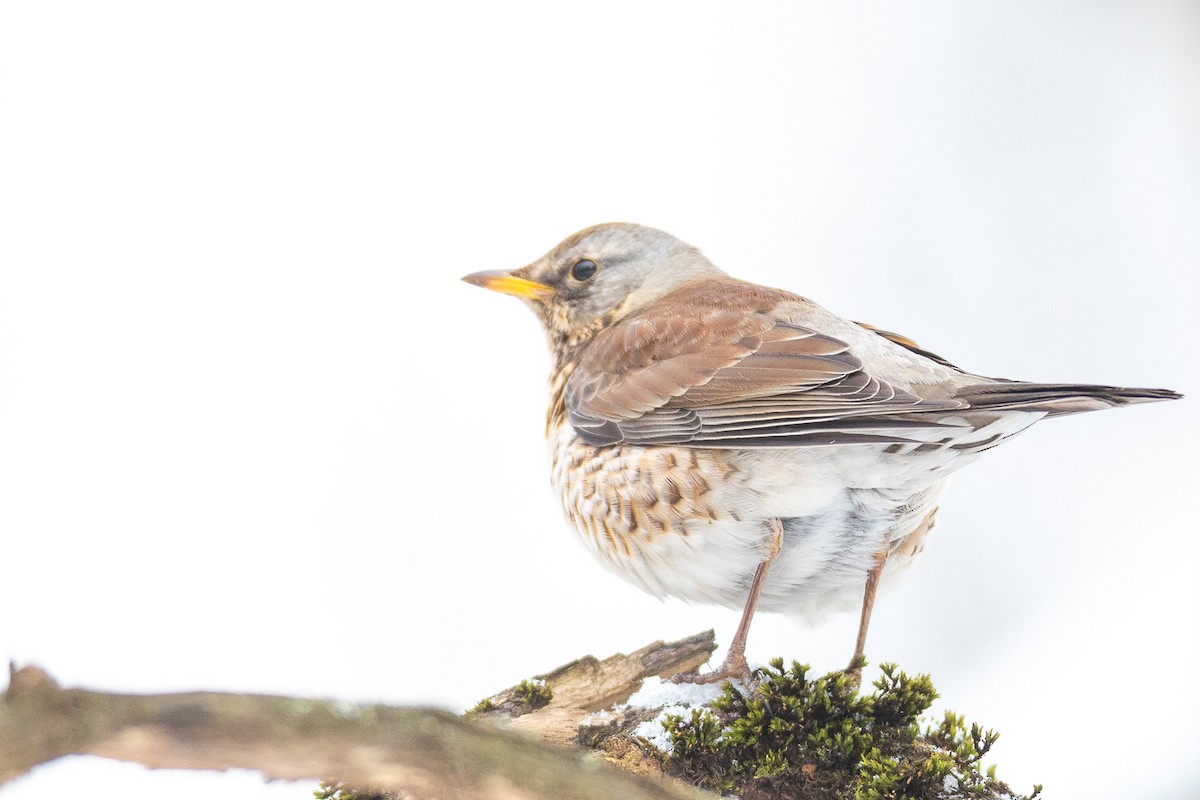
<point x="703" y="375"/>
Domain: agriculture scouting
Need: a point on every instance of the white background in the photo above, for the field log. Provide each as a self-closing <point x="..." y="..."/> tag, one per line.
<point x="256" y="436"/>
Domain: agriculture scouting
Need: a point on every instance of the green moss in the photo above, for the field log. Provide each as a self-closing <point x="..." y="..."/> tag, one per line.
<point x="820" y="736"/>
<point x="526" y="696"/>
<point x="337" y="791"/>
<point x="535" y="694"/>
<point x="482" y="707"/>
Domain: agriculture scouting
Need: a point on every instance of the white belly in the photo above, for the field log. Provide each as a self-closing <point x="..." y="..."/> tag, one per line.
<point x="694" y="523"/>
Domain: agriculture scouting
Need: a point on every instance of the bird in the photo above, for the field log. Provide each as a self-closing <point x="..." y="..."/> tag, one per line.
<point x="733" y="444"/>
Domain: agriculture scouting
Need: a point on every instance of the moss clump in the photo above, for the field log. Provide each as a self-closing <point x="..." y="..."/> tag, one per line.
<point x="482" y="707"/>
<point x="337" y="791"/>
<point x="526" y="696"/>
<point x="820" y="737"/>
<point x="534" y="694"/>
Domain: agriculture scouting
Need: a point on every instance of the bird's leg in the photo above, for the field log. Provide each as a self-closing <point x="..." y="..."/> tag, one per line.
<point x="735" y="665"/>
<point x="856" y="663"/>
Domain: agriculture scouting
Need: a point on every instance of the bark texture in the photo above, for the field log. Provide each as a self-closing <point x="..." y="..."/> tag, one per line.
<point x="411" y="752"/>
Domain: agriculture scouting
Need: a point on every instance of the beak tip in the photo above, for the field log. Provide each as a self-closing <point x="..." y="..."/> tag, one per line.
<point x="477" y="278"/>
<point x="508" y="283"/>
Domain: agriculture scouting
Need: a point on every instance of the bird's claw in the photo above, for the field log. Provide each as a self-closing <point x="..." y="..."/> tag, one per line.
<point x="735" y="668"/>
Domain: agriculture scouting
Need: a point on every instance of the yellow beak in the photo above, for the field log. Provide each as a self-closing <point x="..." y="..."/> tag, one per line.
<point x="506" y="282"/>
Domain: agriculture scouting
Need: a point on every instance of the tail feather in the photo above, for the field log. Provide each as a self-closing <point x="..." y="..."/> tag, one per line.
<point x="1057" y="399"/>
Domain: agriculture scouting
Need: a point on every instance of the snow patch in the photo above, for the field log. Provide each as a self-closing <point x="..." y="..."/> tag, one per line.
<point x="658" y="692"/>
<point x="676" y="699"/>
<point x="600" y="717"/>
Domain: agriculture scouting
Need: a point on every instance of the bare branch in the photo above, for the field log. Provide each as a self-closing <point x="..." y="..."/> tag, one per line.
<point x="413" y="751"/>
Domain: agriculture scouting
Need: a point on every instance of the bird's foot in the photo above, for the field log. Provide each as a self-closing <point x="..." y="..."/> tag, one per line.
<point x="735" y="668"/>
<point x="855" y="668"/>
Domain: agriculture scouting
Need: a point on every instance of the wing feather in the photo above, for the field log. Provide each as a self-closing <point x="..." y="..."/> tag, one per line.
<point x="697" y="373"/>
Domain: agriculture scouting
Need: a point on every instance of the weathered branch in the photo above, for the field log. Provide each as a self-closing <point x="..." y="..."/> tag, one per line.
<point x="588" y="684"/>
<point x="414" y="751"/>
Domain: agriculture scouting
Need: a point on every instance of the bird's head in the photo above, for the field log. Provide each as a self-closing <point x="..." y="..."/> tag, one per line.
<point x="597" y="277"/>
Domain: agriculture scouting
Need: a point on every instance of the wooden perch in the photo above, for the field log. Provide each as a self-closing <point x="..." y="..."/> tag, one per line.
<point x="422" y="753"/>
<point x="588" y="684"/>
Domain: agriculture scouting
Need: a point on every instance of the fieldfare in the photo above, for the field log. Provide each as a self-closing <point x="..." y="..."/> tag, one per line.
<point x="729" y="443"/>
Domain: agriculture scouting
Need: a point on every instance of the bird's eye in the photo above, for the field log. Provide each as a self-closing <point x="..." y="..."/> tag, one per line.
<point x="584" y="269"/>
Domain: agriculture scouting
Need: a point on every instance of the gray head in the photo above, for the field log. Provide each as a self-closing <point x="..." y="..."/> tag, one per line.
<point x="598" y="276"/>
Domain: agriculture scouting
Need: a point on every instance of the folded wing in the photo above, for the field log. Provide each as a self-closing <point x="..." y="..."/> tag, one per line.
<point x="710" y="377"/>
